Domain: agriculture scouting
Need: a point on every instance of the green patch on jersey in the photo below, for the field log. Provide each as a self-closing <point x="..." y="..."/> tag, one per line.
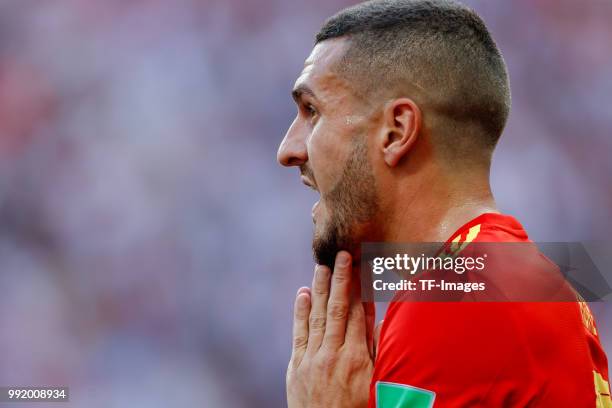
<point x="392" y="395"/>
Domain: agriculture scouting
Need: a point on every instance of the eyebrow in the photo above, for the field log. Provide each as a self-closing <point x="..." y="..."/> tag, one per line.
<point x="301" y="89"/>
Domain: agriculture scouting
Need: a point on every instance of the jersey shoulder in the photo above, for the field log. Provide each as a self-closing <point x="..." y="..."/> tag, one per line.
<point x="491" y="353"/>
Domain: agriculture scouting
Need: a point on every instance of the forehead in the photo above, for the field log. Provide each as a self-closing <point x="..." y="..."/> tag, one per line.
<point x="320" y="72"/>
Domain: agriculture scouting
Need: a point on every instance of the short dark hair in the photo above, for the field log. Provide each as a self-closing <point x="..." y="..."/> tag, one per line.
<point x="438" y="50"/>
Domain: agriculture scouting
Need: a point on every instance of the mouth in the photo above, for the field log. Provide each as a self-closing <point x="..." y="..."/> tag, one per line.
<point x="311" y="185"/>
<point x="308" y="183"/>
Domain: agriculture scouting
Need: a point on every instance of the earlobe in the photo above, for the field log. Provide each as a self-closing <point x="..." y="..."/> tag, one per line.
<point x="402" y="126"/>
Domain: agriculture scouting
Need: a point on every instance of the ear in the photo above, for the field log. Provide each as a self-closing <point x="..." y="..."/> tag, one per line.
<point x="402" y="124"/>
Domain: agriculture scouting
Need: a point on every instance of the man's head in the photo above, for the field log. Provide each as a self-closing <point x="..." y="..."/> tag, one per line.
<point x="391" y="88"/>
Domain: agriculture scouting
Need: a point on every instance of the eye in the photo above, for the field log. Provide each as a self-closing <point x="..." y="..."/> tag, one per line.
<point x="312" y="112"/>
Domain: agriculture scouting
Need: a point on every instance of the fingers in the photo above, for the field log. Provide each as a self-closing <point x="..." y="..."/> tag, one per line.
<point x="303" y="289"/>
<point x="360" y="326"/>
<point x="318" y="312"/>
<point x="338" y="304"/>
<point x="356" y="325"/>
<point x="301" y="311"/>
<point x="331" y="313"/>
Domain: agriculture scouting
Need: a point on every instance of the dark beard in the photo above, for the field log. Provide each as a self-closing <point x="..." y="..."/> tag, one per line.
<point x="326" y="247"/>
<point x="352" y="202"/>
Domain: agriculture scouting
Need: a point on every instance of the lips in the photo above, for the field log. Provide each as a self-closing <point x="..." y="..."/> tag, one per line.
<point x="308" y="183"/>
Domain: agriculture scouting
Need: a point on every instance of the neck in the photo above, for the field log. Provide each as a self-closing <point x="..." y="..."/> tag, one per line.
<point x="434" y="208"/>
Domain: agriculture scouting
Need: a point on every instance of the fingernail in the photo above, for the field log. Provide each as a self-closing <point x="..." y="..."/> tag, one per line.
<point x="342" y="259"/>
<point x="320" y="270"/>
<point x="302" y="300"/>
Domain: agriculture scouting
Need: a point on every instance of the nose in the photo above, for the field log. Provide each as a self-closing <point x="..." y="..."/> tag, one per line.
<point x="292" y="150"/>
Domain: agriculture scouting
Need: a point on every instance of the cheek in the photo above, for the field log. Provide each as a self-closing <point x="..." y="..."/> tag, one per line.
<point x="326" y="155"/>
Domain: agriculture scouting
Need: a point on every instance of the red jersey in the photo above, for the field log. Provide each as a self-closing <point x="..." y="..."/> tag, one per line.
<point x="489" y="354"/>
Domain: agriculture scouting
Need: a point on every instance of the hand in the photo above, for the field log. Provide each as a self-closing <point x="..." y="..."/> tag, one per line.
<point x="332" y="360"/>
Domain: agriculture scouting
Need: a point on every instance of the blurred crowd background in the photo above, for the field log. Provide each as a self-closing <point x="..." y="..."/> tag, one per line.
<point x="151" y="246"/>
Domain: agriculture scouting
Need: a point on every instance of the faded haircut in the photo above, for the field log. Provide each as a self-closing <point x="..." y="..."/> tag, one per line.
<point x="438" y="52"/>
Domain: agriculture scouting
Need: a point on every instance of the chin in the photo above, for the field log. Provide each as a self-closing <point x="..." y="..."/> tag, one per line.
<point x="330" y="238"/>
<point x="327" y="241"/>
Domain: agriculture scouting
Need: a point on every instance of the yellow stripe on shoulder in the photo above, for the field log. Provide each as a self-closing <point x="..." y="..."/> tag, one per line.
<point x="602" y="391"/>
<point x="457" y="245"/>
